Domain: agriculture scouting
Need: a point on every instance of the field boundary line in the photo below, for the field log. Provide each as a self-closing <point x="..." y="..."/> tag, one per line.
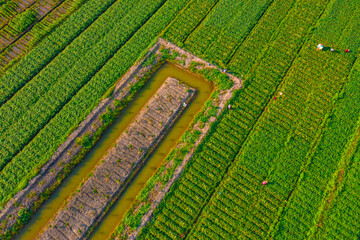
<point x="245" y="38"/>
<point x="344" y="166"/>
<point x="172" y="21"/>
<point x="201" y="20"/>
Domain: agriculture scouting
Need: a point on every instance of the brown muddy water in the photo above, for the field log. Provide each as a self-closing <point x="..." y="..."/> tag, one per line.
<point x="116" y="213"/>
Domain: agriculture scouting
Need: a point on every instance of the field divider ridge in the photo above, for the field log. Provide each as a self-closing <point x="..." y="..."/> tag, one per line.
<point x="202" y="19"/>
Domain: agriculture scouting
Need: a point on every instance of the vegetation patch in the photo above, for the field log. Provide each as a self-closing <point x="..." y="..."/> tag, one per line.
<point x="23" y="20"/>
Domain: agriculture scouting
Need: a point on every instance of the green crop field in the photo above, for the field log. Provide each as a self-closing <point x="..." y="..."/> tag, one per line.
<point x="294" y="123"/>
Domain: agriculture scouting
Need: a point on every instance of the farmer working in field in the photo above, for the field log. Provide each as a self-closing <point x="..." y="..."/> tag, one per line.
<point x="320" y="46"/>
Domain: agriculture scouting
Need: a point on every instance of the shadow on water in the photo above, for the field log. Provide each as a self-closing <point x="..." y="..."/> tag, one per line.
<point x="114" y="216"/>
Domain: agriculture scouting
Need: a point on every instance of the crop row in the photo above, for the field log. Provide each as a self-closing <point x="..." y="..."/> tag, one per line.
<point x="233" y="34"/>
<point x="49" y="47"/>
<point x="208" y="30"/>
<point x="252" y="47"/>
<point x="315" y="180"/>
<point x="342" y="218"/>
<point x="28" y="14"/>
<point x="9" y="9"/>
<point x="16" y="107"/>
<point x="219" y="34"/>
<point x="23" y="167"/>
<point x="187" y="20"/>
<point x="36" y="103"/>
<point x="17" y="25"/>
<point x="279" y="156"/>
<point x="26" y="41"/>
<point x="233" y="199"/>
<point x="251" y="101"/>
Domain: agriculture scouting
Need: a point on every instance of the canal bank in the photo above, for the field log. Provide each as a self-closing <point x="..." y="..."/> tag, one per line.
<point x="57" y="199"/>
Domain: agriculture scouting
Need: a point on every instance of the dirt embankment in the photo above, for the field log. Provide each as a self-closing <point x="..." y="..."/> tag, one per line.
<point x="110" y="176"/>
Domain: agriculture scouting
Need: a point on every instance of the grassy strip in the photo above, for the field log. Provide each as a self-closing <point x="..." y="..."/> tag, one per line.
<point x="188" y="20"/>
<point x="51" y="46"/>
<point x="249" y="51"/>
<point x="81" y="69"/>
<point x="323" y="164"/>
<point x="219" y="34"/>
<point x="28" y="162"/>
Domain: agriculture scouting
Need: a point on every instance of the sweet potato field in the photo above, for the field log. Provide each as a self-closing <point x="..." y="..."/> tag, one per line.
<point x="294" y="124"/>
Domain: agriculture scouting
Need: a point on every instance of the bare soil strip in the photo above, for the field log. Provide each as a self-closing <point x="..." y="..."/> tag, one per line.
<point x="127" y="156"/>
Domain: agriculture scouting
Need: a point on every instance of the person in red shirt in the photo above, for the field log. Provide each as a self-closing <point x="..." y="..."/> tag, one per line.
<point x="347" y="50"/>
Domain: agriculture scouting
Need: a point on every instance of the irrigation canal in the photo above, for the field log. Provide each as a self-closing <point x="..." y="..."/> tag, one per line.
<point x="116" y="213"/>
